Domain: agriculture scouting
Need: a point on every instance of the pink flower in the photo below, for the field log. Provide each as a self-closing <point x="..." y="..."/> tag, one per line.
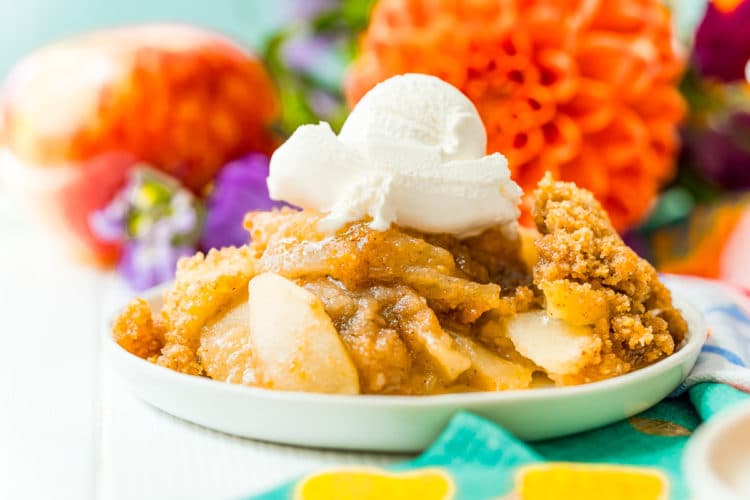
<point x="722" y="42"/>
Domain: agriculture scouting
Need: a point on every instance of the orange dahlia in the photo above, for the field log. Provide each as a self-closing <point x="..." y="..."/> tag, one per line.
<point x="583" y="88"/>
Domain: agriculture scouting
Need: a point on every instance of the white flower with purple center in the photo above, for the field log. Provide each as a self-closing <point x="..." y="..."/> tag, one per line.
<point x="156" y="220"/>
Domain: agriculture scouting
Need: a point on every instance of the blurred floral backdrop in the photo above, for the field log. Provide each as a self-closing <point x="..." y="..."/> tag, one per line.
<point x="672" y="177"/>
<point x="644" y="102"/>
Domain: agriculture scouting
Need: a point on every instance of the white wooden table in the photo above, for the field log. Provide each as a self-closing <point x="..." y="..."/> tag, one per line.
<point x="69" y="427"/>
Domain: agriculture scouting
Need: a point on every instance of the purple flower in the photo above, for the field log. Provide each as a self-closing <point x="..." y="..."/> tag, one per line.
<point x="183" y="217"/>
<point x="306" y="10"/>
<point x="110" y="223"/>
<point x="722" y="42"/>
<point x="323" y="103"/>
<point x="156" y="219"/>
<point x="146" y="264"/>
<point x="239" y="188"/>
<point x="637" y="242"/>
<point x="722" y="151"/>
<point x="307" y="53"/>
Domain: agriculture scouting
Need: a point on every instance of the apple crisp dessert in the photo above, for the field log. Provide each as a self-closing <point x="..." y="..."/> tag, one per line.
<point x="398" y="311"/>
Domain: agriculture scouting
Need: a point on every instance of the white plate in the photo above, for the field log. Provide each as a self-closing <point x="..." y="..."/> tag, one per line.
<point x="403" y="423"/>
<point x="717" y="458"/>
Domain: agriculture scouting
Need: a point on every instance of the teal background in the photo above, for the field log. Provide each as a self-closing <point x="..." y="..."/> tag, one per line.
<point x="28" y="24"/>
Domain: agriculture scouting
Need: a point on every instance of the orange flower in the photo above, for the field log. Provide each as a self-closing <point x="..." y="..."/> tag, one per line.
<point x="188" y="113"/>
<point x="584" y="89"/>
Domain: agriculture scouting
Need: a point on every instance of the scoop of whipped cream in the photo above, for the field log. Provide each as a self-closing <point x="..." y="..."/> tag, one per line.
<point x="412" y="152"/>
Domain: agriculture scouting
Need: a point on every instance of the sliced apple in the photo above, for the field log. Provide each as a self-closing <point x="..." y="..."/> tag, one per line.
<point x="574" y="303"/>
<point x="490" y="371"/>
<point x="226" y="352"/>
<point x="557" y="347"/>
<point x="295" y="343"/>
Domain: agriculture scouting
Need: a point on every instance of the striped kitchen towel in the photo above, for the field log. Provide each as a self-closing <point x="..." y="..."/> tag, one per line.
<point x="725" y="357"/>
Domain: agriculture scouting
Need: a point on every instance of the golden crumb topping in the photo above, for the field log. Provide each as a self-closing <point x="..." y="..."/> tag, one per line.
<point x="420" y="313"/>
<point x="588" y="275"/>
<point x="137" y="332"/>
<point x="203" y="286"/>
